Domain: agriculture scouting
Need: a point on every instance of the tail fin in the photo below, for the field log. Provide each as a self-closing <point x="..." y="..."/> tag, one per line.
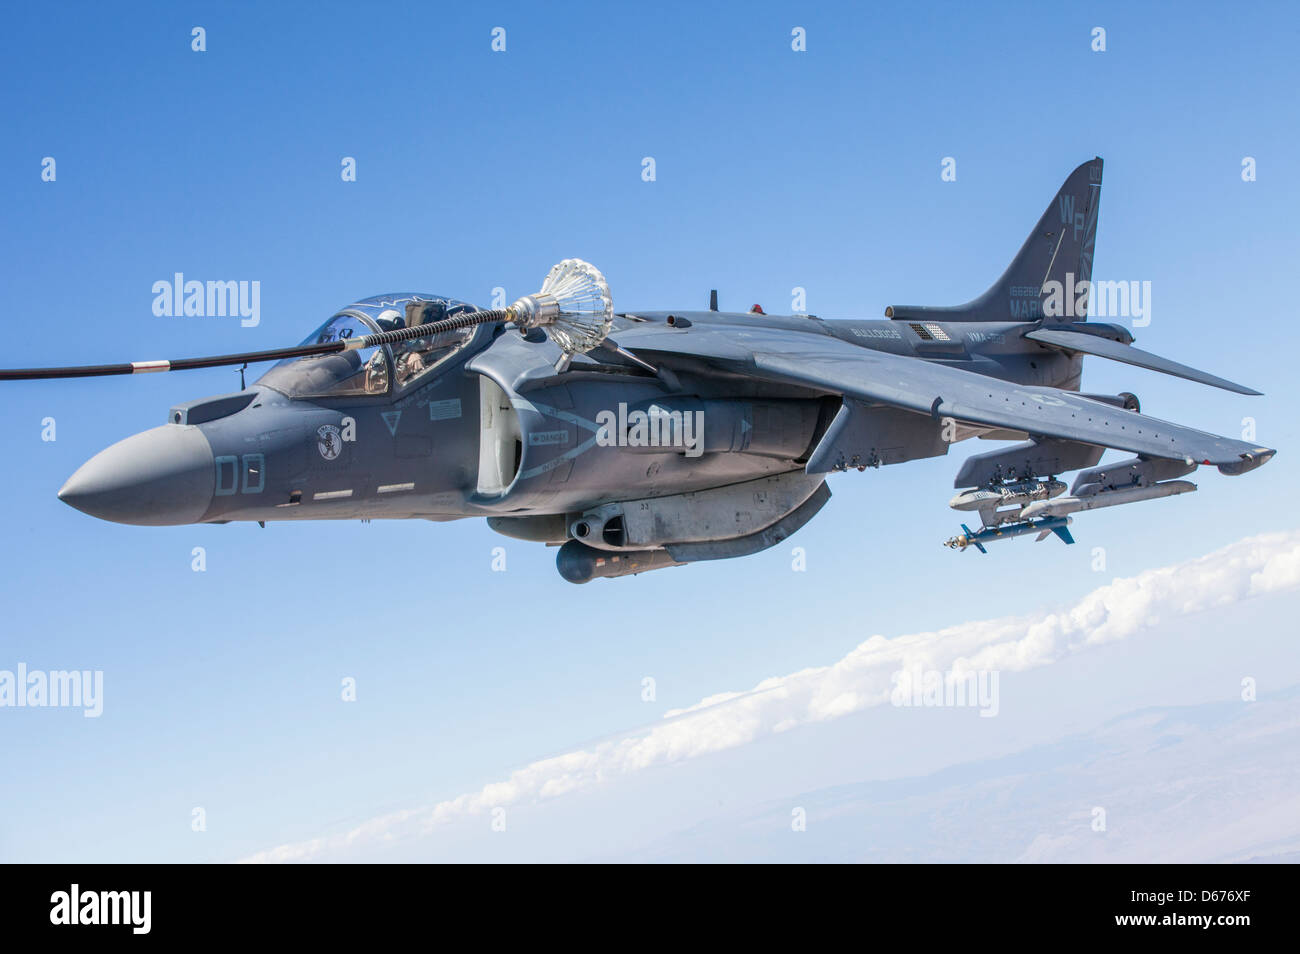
<point x="1059" y="249"/>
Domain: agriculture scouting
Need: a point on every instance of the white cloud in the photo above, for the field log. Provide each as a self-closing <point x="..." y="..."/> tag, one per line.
<point x="1123" y="608"/>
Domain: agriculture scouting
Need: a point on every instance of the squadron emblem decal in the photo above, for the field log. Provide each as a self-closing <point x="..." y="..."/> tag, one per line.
<point x="329" y="441"/>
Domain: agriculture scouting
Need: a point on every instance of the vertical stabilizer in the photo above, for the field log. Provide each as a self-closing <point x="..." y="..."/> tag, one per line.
<point x="1058" y="250"/>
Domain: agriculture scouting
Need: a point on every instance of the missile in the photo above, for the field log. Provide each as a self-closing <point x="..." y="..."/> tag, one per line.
<point x="1007" y="495"/>
<point x="977" y="539"/>
<point x="1105" y="498"/>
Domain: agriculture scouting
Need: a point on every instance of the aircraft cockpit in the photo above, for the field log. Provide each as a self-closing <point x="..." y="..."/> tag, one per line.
<point x="369" y="372"/>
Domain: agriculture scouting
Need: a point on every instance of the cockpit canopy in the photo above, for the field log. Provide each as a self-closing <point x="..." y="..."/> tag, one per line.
<point x="367" y="372"/>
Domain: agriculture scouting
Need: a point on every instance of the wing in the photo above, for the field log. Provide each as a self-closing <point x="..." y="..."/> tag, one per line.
<point x="826" y="363"/>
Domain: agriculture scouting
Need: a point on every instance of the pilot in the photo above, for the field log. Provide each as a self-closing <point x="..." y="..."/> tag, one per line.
<point x="376" y="373"/>
<point x="410" y="363"/>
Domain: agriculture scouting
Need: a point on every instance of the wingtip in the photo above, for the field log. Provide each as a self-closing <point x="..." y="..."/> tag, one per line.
<point x="1247" y="462"/>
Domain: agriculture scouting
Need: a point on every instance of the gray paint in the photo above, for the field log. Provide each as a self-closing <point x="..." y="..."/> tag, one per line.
<point x="495" y="431"/>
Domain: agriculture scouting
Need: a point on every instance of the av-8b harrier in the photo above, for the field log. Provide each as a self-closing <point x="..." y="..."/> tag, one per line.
<point x="647" y="439"/>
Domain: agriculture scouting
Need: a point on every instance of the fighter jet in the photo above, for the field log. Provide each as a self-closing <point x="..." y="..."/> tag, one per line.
<point x="640" y="440"/>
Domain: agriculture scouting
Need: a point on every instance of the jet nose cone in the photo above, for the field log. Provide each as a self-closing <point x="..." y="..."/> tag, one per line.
<point x="158" y="478"/>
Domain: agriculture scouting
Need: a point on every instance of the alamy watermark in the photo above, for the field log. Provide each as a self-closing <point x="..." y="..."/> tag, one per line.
<point x="75" y="689"/>
<point x="1100" y="299"/>
<point x="194" y="299"/>
<point x="127" y="908"/>
<point x="972" y="688"/>
<point x="657" y="427"/>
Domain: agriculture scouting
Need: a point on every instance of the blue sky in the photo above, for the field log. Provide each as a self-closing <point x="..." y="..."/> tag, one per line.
<point x="477" y="169"/>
